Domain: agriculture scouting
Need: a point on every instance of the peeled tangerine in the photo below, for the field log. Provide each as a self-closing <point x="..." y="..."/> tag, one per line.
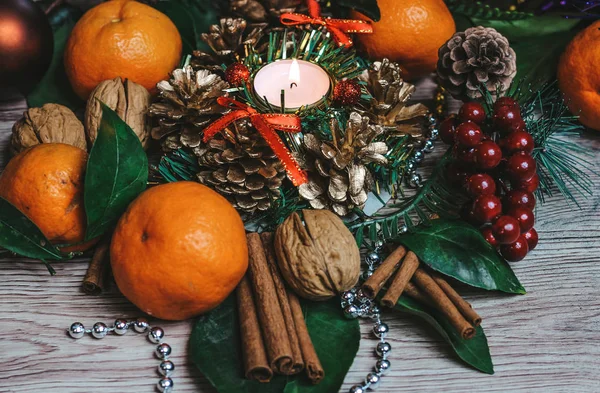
<point x="179" y="250"/>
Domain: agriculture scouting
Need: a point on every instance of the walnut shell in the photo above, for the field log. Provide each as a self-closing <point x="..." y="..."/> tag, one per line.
<point x="318" y="258"/>
<point x="129" y="100"/>
<point x="52" y="123"/>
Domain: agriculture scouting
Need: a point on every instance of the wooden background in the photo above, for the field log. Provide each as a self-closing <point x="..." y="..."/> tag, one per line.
<point x="545" y="341"/>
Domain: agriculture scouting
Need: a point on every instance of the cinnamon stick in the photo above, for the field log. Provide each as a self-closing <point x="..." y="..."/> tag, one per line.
<point x="282" y="295"/>
<point x="424" y="281"/>
<point x="256" y="365"/>
<point x="271" y="319"/>
<point x="408" y="267"/>
<point x="313" y="366"/>
<point x="95" y="278"/>
<point x="415" y="293"/>
<point x="463" y="306"/>
<point x="373" y="285"/>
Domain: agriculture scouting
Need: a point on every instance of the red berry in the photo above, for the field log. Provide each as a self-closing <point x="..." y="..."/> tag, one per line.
<point x="472" y="111"/>
<point x="532" y="238"/>
<point x="528" y="185"/>
<point x="488" y="155"/>
<point x="505" y="117"/>
<point x="524" y="216"/>
<point x="516" y="198"/>
<point x="518" y="125"/>
<point x="465" y="154"/>
<point x="520" y="166"/>
<point x="489" y="236"/>
<point x="486" y="208"/>
<point x="448" y="129"/>
<point x="505" y="101"/>
<point x="456" y="174"/>
<point x="468" y="134"/>
<point x="516" y="251"/>
<point x="481" y="184"/>
<point x="518" y="141"/>
<point x="506" y="229"/>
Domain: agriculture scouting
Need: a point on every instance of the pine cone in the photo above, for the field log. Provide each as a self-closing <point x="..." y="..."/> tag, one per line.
<point x="226" y="42"/>
<point x="240" y="165"/>
<point x="389" y="105"/>
<point x="338" y="178"/>
<point x="478" y="56"/>
<point x="259" y="11"/>
<point x="188" y="102"/>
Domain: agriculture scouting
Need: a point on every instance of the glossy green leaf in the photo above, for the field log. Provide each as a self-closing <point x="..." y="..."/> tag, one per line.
<point x="54" y="86"/>
<point x="216" y="350"/>
<point x="117" y="172"/>
<point x="20" y="235"/>
<point x="367" y="7"/>
<point x="474" y="351"/>
<point x="458" y="250"/>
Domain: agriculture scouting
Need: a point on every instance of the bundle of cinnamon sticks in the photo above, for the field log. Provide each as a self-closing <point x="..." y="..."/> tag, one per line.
<point x="275" y="338"/>
<point x="430" y="289"/>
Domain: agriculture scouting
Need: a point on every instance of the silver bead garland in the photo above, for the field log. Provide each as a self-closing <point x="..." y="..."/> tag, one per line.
<point x="412" y="178"/>
<point x="140" y="325"/>
<point x="355" y="304"/>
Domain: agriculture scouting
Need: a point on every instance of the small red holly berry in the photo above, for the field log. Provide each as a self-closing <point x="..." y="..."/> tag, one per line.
<point x="518" y="141"/>
<point x="524" y="216"/>
<point x="520" y="167"/>
<point x="489" y="236"/>
<point x="464" y="154"/>
<point x="518" y="125"/>
<point x="488" y="155"/>
<point x="448" y="129"/>
<point x="486" y="208"/>
<point x="528" y="185"/>
<point x="516" y="198"/>
<point x="516" y="251"/>
<point x="468" y="134"/>
<point x="457" y="173"/>
<point x="506" y="229"/>
<point x="506" y="116"/>
<point x="532" y="238"/>
<point x="472" y="111"/>
<point x="505" y="101"/>
<point x="481" y="184"/>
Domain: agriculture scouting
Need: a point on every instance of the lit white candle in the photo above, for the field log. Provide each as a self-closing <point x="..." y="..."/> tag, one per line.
<point x="304" y="83"/>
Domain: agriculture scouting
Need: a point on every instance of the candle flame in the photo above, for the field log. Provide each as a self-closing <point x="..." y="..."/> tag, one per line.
<point x="294" y="75"/>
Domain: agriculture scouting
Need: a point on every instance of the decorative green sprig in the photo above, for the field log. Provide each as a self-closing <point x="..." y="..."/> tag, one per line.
<point x="476" y="9"/>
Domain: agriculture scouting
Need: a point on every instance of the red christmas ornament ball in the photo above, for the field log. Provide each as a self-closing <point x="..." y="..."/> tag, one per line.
<point x="237" y="74"/>
<point x="347" y="92"/>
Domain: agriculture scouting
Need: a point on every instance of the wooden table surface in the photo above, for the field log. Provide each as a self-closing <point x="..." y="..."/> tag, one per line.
<point x="545" y="341"/>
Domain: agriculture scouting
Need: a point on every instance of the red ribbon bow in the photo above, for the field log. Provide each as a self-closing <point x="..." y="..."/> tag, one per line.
<point x="266" y="124"/>
<point x="337" y="27"/>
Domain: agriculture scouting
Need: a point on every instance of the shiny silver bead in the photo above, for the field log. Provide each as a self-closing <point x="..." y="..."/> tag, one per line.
<point x="121" y="327"/>
<point x="100" y="330"/>
<point x="415" y="180"/>
<point x="374" y="310"/>
<point x="428" y="148"/>
<point x="141" y="325"/>
<point x="418" y="156"/>
<point x="366" y="274"/>
<point x="402" y="230"/>
<point x="380" y="330"/>
<point x="432" y="119"/>
<point x="348" y="297"/>
<point x="382" y="366"/>
<point x="351" y="311"/>
<point x="379" y="245"/>
<point x="76" y="330"/>
<point x="435" y="133"/>
<point x="383" y="349"/>
<point x="373" y="258"/>
<point x="156" y="335"/>
<point x="373" y="380"/>
<point x="165" y="385"/>
<point x="163" y="351"/>
<point x="166" y="368"/>
<point x="357" y="389"/>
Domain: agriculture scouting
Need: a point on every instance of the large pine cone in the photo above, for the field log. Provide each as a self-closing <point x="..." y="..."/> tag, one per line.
<point x="259" y="11"/>
<point x="477" y="57"/>
<point x="240" y="165"/>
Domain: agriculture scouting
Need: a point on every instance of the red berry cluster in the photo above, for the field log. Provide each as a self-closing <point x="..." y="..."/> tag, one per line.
<point x="497" y="170"/>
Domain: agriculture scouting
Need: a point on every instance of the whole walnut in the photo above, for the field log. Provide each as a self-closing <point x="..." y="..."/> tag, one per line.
<point x="129" y="100"/>
<point x="52" y="123"/>
<point x="319" y="257"/>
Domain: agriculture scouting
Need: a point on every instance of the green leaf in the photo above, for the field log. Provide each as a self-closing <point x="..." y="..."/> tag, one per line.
<point x="117" y="172"/>
<point x="367" y="7"/>
<point x="458" y="250"/>
<point x="216" y="350"/>
<point x="20" y="235"/>
<point x="55" y="86"/>
<point x="474" y="351"/>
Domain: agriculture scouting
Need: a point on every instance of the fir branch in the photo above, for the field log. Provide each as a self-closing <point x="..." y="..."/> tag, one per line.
<point x="288" y="203"/>
<point x="178" y="165"/>
<point x="476" y="9"/>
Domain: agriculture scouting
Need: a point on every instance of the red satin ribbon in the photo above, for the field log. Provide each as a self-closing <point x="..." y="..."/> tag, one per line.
<point x="266" y="124"/>
<point x="338" y="27"/>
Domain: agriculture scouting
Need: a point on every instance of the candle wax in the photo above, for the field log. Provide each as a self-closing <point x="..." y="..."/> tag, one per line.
<point x="304" y="83"/>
